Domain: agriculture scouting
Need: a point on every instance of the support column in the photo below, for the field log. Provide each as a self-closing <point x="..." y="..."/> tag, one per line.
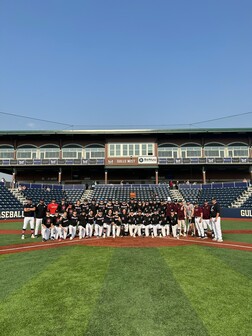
<point x="250" y="173"/>
<point x="60" y="175"/>
<point x="13" y="180"/>
<point x="204" y="175"/>
<point x="106" y="177"/>
<point x="156" y="175"/>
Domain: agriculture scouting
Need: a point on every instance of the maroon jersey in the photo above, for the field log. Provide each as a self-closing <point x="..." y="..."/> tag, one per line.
<point x="181" y="212"/>
<point x="206" y="211"/>
<point x="197" y="211"/>
<point x="169" y="207"/>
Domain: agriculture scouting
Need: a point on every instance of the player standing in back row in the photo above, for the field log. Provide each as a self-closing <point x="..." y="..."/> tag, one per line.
<point x="215" y="220"/>
<point x="29" y="212"/>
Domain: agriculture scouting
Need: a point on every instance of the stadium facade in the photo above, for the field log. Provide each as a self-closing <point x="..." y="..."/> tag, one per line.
<point x="134" y="156"/>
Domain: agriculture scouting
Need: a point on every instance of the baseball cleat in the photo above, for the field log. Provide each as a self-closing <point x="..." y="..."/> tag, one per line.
<point x="219" y="240"/>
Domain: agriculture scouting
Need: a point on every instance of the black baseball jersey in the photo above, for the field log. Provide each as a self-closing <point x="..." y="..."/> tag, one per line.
<point x="155" y="219"/>
<point x="214" y="209"/>
<point x="139" y="219"/>
<point x="108" y="219"/>
<point x="124" y="218"/>
<point x="57" y="220"/>
<point x="64" y="221"/>
<point x="73" y="220"/>
<point x="163" y="220"/>
<point x="82" y="220"/>
<point x="48" y="221"/>
<point x="86" y="208"/>
<point x="90" y="219"/>
<point x="117" y="219"/>
<point x="40" y="211"/>
<point x="147" y="220"/>
<point x="173" y="220"/>
<point x="131" y="219"/>
<point x="78" y="208"/>
<point x="99" y="220"/>
<point x="29" y="210"/>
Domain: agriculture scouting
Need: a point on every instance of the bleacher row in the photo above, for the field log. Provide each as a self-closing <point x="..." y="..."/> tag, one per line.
<point x="225" y="196"/>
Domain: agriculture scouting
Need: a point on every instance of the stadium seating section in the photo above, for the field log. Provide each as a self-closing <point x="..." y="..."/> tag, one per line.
<point x="161" y="192"/>
<point x="8" y="201"/>
<point x="123" y="193"/>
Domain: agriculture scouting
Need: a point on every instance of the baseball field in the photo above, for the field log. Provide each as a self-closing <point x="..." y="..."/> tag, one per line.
<point x="126" y="286"/>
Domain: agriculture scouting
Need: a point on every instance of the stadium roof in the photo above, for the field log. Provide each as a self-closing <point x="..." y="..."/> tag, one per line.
<point x="126" y="131"/>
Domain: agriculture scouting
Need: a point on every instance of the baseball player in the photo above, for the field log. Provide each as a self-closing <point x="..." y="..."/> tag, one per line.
<point x="47" y="225"/>
<point x="138" y="224"/>
<point x="99" y="220"/>
<point x="73" y="222"/>
<point x="90" y="224"/>
<point x="215" y="220"/>
<point x="131" y="223"/>
<point x="29" y="212"/>
<point x="64" y="225"/>
<point x="173" y="221"/>
<point x="124" y="223"/>
<point x="190" y="218"/>
<point x="82" y="224"/>
<point x="206" y="217"/>
<point x="147" y="222"/>
<point x="62" y="207"/>
<point x="155" y="219"/>
<point x="116" y="225"/>
<point x="181" y="212"/>
<point x="56" y="230"/>
<point x="40" y="213"/>
<point x="198" y="215"/>
<point x="108" y="221"/>
<point x="52" y="207"/>
<point x="165" y="226"/>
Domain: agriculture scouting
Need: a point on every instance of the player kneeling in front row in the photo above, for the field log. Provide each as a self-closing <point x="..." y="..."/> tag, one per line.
<point x="47" y="226"/>
<point x="165" y="226"/>
<point x="64" y="226"/>
<point x="82" y="225"/>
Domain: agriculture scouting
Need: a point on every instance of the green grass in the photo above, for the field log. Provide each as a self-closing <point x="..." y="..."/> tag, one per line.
<point x="16" y="239"/>
<point x="11" y="225"/>
<point x="236" y="225"/>
<point x="241" y="237"/>
<point x="81" y="290"/>
<point x="215" y="289"/>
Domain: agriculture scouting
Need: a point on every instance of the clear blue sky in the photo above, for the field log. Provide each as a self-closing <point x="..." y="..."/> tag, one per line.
<point x="135" y="62"/>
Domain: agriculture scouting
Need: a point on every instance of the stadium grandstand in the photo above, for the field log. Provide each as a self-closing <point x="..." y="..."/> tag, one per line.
<point x="187" y="164"/>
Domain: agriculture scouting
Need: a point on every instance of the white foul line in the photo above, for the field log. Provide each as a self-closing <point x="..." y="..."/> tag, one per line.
<point x="91" y="239"/>
<point x="215" y="243"/>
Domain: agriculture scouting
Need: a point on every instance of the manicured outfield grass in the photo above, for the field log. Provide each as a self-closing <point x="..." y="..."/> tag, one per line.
<point x="241" y="237"/>
<point x="81" y="290"/>
<point x="11" y="225"/>
<point x="236" y="225"/>
<point x="10" y="239"/>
